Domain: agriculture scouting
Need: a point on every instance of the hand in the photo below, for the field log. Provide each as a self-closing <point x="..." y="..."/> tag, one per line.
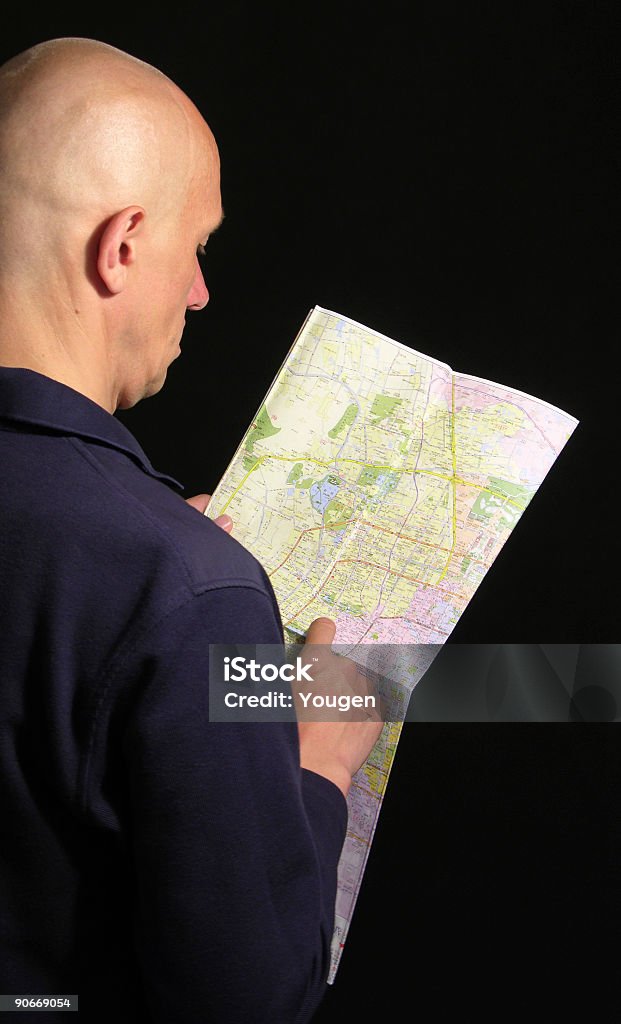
<point x="335" y="749"/>
<point x="201" y="501"/>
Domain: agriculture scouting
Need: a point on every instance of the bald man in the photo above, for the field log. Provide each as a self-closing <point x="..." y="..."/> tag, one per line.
<point x="164" y="867"/>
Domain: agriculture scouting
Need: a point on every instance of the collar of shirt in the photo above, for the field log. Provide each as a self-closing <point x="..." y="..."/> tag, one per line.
<point x="30" y="398"/>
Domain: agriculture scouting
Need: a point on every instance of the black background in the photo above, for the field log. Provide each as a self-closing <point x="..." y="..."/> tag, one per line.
<point x="442" y="172"/>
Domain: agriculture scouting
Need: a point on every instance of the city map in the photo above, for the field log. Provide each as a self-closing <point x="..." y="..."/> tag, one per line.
<point x="376" y="486"/>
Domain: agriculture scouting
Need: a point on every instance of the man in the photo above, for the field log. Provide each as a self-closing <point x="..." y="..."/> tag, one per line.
<point x="162" y="866"/>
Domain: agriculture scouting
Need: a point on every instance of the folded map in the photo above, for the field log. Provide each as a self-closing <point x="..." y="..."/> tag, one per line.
<point x="376" y="486"/>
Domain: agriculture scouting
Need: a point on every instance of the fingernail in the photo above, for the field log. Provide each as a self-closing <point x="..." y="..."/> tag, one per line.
<point x="224" y="522"/>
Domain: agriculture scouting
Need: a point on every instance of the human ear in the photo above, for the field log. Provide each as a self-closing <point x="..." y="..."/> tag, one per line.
<point x="117" y="249"/>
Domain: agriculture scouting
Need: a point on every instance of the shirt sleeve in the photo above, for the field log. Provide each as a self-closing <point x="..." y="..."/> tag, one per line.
<point x="234" y="846"/>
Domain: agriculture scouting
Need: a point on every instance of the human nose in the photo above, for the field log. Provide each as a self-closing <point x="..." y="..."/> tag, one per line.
<point x="198" y="296"/>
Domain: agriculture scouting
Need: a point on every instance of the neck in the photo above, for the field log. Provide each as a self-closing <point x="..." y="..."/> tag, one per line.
<point x="68" y="350"/>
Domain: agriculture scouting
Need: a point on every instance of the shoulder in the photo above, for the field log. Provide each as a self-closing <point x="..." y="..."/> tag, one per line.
<point x="153" y="524"/>
<point x="92" y="518"/>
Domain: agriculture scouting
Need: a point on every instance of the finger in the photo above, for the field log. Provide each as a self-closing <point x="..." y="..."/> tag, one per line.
<point x="199" y="501"/>
<point x="225" y="523"/>
<point x="321" y="631"/>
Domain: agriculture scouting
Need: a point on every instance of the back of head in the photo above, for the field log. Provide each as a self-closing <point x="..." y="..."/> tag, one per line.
<point x="86" y="129"/>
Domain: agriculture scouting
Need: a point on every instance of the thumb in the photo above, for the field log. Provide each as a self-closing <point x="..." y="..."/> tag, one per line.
<point x="321" y="631"/>
<point x="199" y="501"/>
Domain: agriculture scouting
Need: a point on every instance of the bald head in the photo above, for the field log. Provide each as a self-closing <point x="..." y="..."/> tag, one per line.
<point x="85" y="126"/>
<point x="106" y="169"/>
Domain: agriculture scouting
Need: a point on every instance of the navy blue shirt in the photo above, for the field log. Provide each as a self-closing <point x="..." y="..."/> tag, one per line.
<point x="164" y="867"/>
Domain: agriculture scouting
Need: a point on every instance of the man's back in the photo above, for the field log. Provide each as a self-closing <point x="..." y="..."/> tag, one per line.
<point x="121" y="801"/>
